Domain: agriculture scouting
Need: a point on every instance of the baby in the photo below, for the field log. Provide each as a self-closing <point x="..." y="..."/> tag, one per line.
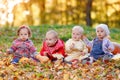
<point x="23" y="46"/>
<point x="101" y="47"/>
<point x="53" y="47"/>
<point x="75" y="47"/>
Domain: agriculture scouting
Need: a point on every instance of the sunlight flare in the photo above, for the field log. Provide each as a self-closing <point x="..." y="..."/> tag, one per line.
<point x="6" y="8"/>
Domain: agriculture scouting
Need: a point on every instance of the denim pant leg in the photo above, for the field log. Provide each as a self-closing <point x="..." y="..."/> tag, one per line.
<point x="15" y="60"/>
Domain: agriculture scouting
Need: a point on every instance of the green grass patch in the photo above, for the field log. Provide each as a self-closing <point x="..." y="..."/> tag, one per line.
<point x="8" y="34"/>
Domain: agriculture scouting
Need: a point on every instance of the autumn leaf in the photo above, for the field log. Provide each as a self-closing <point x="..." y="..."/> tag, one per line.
<point x="1" y="78"/>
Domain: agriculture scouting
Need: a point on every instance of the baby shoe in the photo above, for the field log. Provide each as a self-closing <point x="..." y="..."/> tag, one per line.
<point x="85" y="60"/>
<point x="68" y="62"/>
<point x="15" y="60"/>
<point x="107" y="58"/>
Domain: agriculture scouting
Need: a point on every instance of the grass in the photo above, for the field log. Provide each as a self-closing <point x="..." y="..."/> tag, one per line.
<point x="8" y="34"/>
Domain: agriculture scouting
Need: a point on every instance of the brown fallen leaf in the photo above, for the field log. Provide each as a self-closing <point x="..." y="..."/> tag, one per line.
<point x="15" y="78"/>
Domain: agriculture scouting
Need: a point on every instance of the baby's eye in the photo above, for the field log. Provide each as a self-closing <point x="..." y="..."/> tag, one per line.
<point x="97" y="31"/>
<point x="21" y="34"/>
<point x="25" y="34"/>
<point x="78" y="34"/>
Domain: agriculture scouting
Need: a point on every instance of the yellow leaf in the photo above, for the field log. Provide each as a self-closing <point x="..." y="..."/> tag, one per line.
<point x="24" y="60"/>
<point x="66" y="76"/>
<point x="76" y="78"/>
<point x="1" y="63"/>
<point x="11" y="67"/>
<point x="1" y="78"/>
<point x="45" y="79"/>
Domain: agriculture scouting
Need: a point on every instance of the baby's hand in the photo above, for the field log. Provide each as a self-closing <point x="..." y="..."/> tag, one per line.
<point x="109" y="49"/>
<point x="82" y="53"/>
<point x="72" y="46"/>
<point x="42" y="59"/>
<point x="45" y="53"/>
<point x="8" y="51"/>
<point x="83" y="37"/>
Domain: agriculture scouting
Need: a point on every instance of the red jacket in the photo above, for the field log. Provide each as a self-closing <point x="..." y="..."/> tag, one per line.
<point x="59" y="47"/>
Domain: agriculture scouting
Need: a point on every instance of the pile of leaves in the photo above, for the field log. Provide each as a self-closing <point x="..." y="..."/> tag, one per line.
<point x="57" y="70"/>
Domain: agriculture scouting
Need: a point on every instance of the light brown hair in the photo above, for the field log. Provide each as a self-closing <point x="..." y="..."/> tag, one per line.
<point x="24" y="27"/>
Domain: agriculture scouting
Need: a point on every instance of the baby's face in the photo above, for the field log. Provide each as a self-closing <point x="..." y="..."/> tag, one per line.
<point x="76" y="35"/>
<point x="51" y="39"/>
<point x="23" y="34"/>
<point x="100" y="33"/>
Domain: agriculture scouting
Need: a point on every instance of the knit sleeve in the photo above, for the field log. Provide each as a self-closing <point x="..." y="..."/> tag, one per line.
<point x="42" y="49"/>
<point x="32" y="49"/>
<point x="13" y="47"/>
<point x="87" y="42"/>
<point x="111" y="46"/>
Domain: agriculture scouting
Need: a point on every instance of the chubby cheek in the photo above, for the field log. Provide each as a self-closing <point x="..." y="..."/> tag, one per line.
<point x="79" y="36"/>
<point x="20" y="37"/>
<point x="97" y="34"/>
<point x="48" y="43"/>
<point x="73" y="36"/>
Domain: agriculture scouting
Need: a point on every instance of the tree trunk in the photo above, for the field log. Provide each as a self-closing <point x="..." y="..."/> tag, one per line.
<point x="88" y="13"/>
<point x="42" y="12"/>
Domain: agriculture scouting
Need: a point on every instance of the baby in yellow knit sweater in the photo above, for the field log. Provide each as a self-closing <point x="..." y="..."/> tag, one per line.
<point x="75" y="47"/>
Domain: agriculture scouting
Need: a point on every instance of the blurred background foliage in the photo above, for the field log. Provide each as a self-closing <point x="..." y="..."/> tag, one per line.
<point x="62" y="12"/>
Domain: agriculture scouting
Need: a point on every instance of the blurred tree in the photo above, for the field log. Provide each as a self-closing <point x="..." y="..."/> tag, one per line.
<point x="112" y="12"/>
<point x="42" y="11"/>
<point x="83" y="12"/>
<point x="88" y="12"/>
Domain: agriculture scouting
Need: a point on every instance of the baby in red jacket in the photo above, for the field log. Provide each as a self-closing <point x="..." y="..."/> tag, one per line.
<point x="53" y="47"/>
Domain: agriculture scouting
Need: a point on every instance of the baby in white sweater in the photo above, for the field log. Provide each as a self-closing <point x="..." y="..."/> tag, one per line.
<point x="75" y="47"/>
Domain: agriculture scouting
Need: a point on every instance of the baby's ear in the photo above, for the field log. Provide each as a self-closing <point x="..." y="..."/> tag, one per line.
<point x="56" y="39"/>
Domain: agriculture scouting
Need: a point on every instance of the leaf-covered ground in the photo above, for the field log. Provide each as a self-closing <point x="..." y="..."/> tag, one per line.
<point x="57" y="70"/>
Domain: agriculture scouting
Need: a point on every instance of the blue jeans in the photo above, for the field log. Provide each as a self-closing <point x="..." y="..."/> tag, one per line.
<point x="15" y="60"/>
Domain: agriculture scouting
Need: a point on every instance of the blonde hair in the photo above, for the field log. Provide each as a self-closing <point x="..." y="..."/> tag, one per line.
<point x="81" y="30"/>
<point x="104" y="27"/>
<point x="52" y="32"/>
<point x="24" y="27"/>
